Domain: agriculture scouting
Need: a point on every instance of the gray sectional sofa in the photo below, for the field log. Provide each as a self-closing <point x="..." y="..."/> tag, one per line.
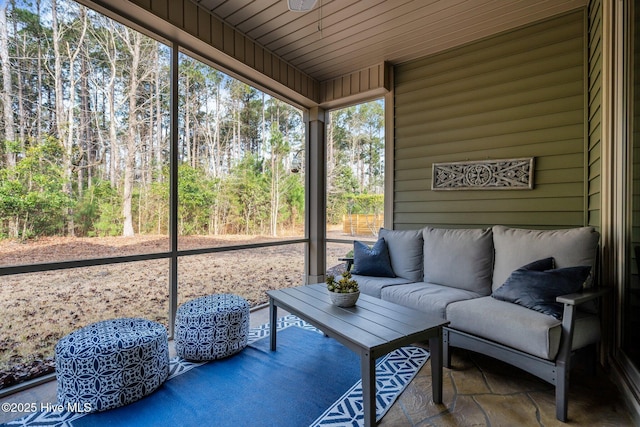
<point x="452" y="273"/>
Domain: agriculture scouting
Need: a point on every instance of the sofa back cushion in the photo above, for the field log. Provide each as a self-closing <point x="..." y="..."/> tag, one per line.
<point x="516" y="247"/>
<point x="405" y="252"/>
<point x="460" y="258"/>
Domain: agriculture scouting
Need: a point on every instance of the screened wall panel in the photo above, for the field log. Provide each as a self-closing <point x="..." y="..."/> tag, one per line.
<point x="630" y="318"/>
<point x="200" y="23"/>
<point x="518" y="94"/>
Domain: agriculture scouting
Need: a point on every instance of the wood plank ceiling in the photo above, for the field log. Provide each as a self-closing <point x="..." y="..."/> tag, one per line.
<point x="338" y="37"/>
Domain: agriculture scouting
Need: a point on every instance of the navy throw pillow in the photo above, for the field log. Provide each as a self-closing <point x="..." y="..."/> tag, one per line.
<point x="540" y="265"/>
<point x="373" y="261"/>
<point x="538" y="289"/>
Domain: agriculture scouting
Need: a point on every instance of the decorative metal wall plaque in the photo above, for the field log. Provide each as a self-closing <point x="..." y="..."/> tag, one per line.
<point x="505" y="174"/>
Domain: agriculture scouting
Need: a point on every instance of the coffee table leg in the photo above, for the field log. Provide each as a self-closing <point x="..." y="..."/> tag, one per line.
<point x="435" y="348"/>
<point x="273" y="318"/>
<point x="368" y="370"/>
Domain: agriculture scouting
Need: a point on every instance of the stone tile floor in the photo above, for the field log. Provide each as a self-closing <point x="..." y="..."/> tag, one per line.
<point x="478" y="391"/>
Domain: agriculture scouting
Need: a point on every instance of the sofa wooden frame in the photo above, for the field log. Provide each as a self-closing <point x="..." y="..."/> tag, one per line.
<point x="555" y="372"/>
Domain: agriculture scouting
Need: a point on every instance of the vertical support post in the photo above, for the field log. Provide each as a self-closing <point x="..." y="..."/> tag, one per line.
<point x="614" y="219"/>
<point x="173" y="192"/>
<point x="316" y="195"/>
<point x="389" y="147"/>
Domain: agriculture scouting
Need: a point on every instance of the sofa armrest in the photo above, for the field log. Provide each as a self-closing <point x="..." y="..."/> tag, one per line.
<point x="570" y="302"/>
<point x="582" y="297"/>
<point x="349" y="261"/>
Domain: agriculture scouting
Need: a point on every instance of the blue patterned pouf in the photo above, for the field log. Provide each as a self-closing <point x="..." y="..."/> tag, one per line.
<point x="212" y="327"/>
<point x="110" y="364"/>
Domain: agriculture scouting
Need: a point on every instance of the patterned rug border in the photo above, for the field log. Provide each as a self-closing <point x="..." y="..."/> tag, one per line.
<point x="393" y="372"/>
<point x="178" y="366"/>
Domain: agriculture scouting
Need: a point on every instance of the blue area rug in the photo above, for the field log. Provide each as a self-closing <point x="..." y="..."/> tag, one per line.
<point x="311" y="380"/>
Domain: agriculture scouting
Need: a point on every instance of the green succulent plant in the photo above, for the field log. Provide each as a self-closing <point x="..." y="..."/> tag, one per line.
<point x="346" y="284"/>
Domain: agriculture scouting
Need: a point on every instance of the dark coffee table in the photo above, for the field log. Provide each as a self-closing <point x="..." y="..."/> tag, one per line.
<point x="372" y="328"/>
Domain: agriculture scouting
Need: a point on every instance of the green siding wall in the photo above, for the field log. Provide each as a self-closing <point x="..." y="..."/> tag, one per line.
<point x="594" y="111"/>
<point x="518" y="94"/>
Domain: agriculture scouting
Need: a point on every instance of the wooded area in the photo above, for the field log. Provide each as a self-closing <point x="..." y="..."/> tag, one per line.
<point x="86" y="137"/>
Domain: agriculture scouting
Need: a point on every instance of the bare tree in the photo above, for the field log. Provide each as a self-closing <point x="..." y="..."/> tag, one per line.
<point x="7" y="89"/>
<point x="139" y="71"/>
<point x="158" y="107"/>
<point x="39" y="103"/>
<point x="106" y="39"/>
<point x="65" y="114"/>
<point x="20" y="55"/>
<point x="133" y="41"/>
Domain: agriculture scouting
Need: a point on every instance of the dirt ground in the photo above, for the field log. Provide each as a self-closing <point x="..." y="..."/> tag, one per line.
<point x="37" y="309"/>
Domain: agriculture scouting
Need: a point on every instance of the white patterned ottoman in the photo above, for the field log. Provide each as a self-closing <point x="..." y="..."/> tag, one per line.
<point x="111" y="363"/>
<point x="212" y="327"/>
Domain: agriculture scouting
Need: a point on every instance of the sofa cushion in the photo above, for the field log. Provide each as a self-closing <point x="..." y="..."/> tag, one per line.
<point x="460" y="258"/>
<point x="405" y="251"/>
<point x="538" y="290"/>
<point x="430" y="298"/>
<point x="518" y="327"/>
<point x="372" y="261"/>
<point x="515" y="247"/>
<point x="372" y="286"/>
